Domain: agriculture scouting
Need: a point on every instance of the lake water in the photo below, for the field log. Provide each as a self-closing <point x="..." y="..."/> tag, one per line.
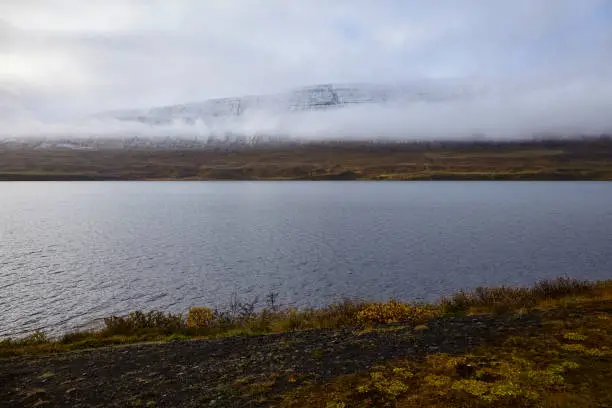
<point x="71" y="252"/>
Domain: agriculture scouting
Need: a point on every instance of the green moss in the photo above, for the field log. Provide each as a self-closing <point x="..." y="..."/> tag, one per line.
<point x="47" y="374"/>
<point x="438" y="381"/>
<point x="581" y="349"/>
<point x="317" y="354"/>
<point x="177" y="337"/>
<point x="384" y="387"/>
<point x="536" y="370"/>
<point x="574" y="336"/>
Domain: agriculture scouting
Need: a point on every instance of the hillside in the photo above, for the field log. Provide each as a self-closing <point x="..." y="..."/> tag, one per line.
<point x="537" y="160"/>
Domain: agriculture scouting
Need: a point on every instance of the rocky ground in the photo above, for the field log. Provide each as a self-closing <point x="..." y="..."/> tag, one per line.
<point x="237" y="371"/>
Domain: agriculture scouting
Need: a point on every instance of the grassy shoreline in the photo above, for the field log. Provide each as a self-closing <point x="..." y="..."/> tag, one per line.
<point x="549" y="345"/>
<point x="241" y="317"/>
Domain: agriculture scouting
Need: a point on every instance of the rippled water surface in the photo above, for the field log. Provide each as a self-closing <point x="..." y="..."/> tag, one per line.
<point x="71" y="252"/>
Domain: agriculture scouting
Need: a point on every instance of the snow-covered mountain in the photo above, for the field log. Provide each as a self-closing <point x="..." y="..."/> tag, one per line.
<point x="311" y="98"/>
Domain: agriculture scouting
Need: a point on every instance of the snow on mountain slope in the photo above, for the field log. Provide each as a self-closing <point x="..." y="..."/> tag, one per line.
<point x="420" y="110"/>
<point x="311" y="98"/>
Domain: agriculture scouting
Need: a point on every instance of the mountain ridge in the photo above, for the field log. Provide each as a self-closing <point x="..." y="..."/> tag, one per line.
<point x="308" y="98"/>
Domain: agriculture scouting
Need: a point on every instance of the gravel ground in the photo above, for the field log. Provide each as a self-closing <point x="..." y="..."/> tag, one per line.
<point x="232" y="372"/>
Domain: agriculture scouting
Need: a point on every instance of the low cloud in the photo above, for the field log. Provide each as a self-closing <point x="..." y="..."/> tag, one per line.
<point x="519" y="110"/>
<point x="547" y="64"/>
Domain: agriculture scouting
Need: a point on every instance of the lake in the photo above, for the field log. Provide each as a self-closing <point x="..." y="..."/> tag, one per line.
<point x="72" y="252"/>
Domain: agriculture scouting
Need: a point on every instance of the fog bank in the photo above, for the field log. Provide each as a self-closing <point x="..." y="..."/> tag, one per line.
<point x="497" y="111"/>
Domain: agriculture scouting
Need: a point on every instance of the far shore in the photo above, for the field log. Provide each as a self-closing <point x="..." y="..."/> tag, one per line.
<point x="589" y="159"/>
<point x="447" y="177"/>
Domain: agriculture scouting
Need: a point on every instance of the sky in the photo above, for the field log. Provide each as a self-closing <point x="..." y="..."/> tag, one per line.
<point x="64" y="58"/>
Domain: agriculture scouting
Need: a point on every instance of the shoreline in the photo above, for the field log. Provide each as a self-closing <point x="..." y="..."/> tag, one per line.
<point x="491" y="347"/>
<point x="455" y="177"/>
<point x="244" y="317"/>
<point x="538" y="160"/>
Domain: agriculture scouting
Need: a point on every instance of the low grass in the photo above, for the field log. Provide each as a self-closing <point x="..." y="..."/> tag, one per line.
<point x="504" y="299"/>
<point x="242" y="318"/>
<point x="565" y="362"/>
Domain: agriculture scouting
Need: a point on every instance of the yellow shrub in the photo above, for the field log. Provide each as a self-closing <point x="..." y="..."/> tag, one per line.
<point x="394" y="311"/>
<point x="200" y="317"/>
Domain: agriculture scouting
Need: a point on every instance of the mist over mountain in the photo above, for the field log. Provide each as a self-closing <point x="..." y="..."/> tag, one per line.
<point x="306" y="99"/>
<point x="449" y="109"/>
<point x="316" y="70"/>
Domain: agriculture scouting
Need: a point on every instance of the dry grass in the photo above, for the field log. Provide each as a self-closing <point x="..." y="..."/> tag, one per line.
<point x="394" y="311"/>
<point x="504" y="298"/>
<point x="241" y="317"/>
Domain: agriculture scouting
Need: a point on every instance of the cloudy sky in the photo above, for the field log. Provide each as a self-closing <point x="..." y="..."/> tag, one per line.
<point x="67" y="57"/>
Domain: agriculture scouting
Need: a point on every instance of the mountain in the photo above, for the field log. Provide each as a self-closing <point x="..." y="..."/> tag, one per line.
<point x="310" y="98"/>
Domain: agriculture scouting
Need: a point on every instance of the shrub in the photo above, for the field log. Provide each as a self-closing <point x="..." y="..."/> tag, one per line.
<point x="504" y="298"/>
<point x="200" y="317"/>
<point x="343" y="313"/>
<point x="291" y="320"/>
<point x="76" y="336"/>
<point x="340" y="314"/>
<point x="394" y="311"/>
<point x="240" y="317"/>
<point x="138" y="321"/>
<point x="38" y="337"/>
<point x="561" y="287"/>
<point x="262" y="322"/>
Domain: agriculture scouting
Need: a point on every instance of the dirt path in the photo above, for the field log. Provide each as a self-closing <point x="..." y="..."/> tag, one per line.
<point x="231" y="372"/>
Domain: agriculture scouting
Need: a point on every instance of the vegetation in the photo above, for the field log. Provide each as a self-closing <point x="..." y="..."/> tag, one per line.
<point x="504" y="299"/>
<point x="587" y="159"/>
<point x="565" y="362"/>
<point x="548" y="345"/>
<point x="241" y="317"/>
